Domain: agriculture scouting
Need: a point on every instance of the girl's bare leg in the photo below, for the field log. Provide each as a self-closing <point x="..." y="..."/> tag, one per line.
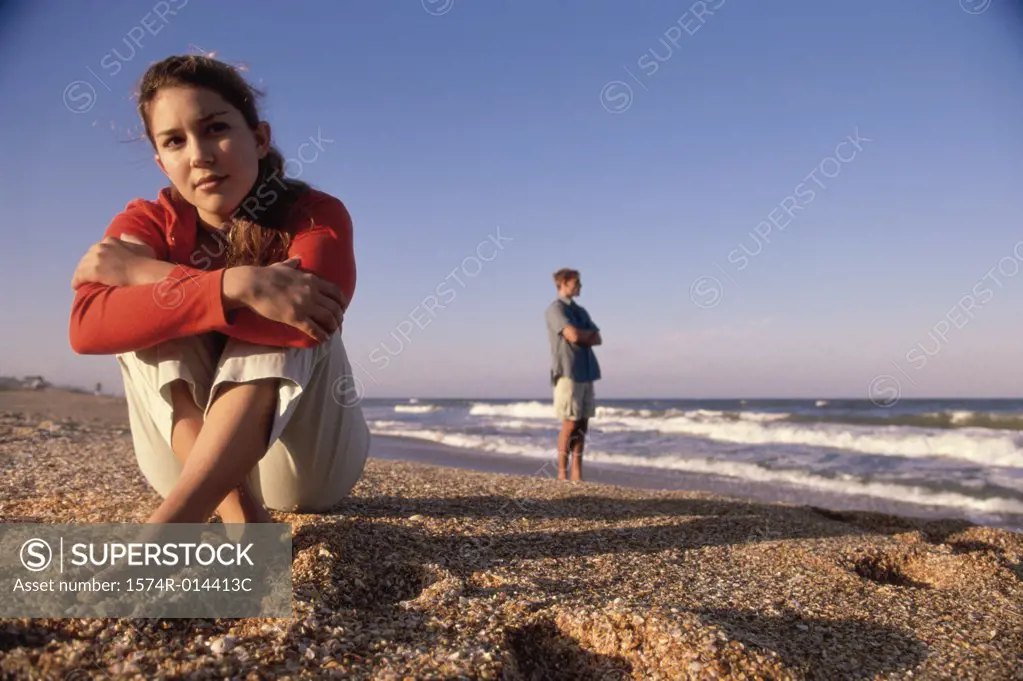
<point x="239" y="506"/>
<point x="219" y="453"/>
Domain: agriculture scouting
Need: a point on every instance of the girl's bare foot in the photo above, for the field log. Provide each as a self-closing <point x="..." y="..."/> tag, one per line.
<point x="245" y="510"/>
<point x="258" y="515"/>
<point x="242" y="507"/>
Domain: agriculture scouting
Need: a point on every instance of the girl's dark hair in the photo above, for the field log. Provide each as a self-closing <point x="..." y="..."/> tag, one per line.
<point x="259" y="233"/>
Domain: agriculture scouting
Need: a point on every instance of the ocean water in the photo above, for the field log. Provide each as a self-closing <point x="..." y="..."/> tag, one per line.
<point x="965" y="456"/>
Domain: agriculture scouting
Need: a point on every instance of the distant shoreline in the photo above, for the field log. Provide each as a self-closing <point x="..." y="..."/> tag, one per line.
<point x="62" y="404"/>
<point x="393" y="448"/>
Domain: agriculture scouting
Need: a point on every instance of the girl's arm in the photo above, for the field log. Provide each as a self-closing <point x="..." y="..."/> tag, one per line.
<point x="324" y="248"/>
<point x="128" y="299"/>
<point x="162" y="301"/>
<point x="112" y="313"/>
<point x="108" y="320"/>
<point x="189" y="302"/>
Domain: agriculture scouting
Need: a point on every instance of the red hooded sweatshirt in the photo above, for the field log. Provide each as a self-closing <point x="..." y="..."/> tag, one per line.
<point x="114" y="319"/>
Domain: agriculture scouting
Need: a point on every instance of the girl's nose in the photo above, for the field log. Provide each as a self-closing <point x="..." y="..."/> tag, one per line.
<point x="202" y="154"/>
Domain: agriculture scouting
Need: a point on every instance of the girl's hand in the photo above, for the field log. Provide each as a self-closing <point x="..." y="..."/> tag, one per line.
<point x="305" y="301"/>
<point x="110" y="262"/>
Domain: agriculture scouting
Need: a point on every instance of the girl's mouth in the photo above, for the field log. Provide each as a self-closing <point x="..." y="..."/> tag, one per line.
<point x="210" y="183"/>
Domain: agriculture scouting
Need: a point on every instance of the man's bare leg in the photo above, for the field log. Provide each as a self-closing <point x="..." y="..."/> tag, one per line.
<point x="229" y="444"/>
<point x="578" y="442"/>
<point x="564" y="446"/>
<point x="239" y="506"/>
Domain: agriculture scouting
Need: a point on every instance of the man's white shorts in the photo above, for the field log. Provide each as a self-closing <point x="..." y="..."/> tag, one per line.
<point x="574" y="400"/>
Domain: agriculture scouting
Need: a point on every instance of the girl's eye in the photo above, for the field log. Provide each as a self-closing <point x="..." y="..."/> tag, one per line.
<point x="172" y="142"/>
<point x="217" y="127"/>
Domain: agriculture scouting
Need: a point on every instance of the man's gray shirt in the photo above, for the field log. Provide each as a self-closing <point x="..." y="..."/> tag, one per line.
<point x="577" y="362"/>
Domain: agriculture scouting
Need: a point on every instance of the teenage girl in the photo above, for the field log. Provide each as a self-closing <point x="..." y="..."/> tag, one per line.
<point x="222" y="301"/>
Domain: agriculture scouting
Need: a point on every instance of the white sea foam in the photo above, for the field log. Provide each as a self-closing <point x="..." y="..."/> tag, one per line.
<point x="461" y="440"/>
<point x="545" y="411"/>
<point x="762" y="417"/>
<point x="982" y="446"/>
<point x="962" y="416"/>
<point x="416" y="408"/>
<point x="843" y="485"/>
<point x="518" y="410"/>
<point x="525" y="424"/>
<point x="613" y="412"/>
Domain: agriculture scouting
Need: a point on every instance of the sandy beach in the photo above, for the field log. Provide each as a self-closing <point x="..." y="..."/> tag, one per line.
<point x="437" y="572"/>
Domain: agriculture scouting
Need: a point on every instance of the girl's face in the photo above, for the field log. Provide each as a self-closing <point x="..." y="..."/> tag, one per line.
<point x="206" y="149"/>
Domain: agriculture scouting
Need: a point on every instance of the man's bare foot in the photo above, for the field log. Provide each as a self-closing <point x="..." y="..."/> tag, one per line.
<point x="562" y="466"/>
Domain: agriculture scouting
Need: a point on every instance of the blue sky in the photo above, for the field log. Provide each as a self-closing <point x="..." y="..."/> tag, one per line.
<point x="450" y="122"/>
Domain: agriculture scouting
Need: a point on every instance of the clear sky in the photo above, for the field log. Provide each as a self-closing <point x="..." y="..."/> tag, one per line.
<point x="649" y="145"/>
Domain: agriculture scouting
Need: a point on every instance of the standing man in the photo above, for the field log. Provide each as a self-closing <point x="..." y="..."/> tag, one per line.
<point x="574" y="368"/>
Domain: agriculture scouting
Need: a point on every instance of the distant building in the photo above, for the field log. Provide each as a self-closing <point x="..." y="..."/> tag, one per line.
<point x="34" y="383"/>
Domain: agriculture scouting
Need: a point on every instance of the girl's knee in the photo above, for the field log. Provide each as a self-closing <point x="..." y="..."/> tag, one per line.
<point x="289" y="367"/>
<point x="264" y="357"/>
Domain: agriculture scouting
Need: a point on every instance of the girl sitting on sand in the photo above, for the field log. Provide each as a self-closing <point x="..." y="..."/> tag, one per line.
<point x="222" y="301"/>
